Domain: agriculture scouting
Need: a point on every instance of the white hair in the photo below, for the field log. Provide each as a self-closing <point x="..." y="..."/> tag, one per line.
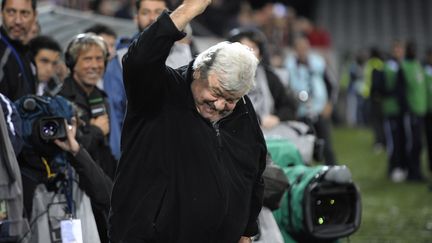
<point x="233" y="63"/>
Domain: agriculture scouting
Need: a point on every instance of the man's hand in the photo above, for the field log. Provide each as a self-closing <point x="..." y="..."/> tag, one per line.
<point x="197" y="6"/>
<point x="102" y="122"/>
<point x="245" y="239"/>
<point x="188" y="10"/>
<point x="70" y="144"/>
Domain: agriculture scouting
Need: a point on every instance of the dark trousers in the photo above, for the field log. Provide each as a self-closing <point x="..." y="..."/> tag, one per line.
<point x="404" y="144"/>
<point x="395" y="140"/>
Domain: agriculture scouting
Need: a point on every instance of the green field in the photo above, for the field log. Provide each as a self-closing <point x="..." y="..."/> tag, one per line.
<point x="391" y="212"/>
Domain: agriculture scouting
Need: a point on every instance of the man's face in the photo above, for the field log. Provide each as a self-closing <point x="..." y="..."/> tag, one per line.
<point x="18" y="18"/>
<point x="110" y="41"/>
<point x="90" y="66"/>
<point x="46" y="64"/>
<point x="211" y="100"/>
<point x="148" y="12"/>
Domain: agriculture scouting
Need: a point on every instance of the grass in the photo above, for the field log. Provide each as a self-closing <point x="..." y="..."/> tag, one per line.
<point x="391" y="212"/>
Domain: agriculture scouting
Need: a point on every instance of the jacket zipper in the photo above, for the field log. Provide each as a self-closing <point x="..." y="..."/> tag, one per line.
<point x="218" y="135"/>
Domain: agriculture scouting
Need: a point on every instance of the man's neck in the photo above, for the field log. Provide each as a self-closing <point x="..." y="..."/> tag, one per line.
<point x="85" y="87"/>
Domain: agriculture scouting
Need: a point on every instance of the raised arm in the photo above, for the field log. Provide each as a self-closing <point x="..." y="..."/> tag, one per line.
<point x="188" y="10"/>
<point x="145" y="74"/>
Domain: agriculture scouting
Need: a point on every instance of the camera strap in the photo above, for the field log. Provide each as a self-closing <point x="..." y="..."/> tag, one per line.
<point x="67" y="185"/>
<point x="50" y="174"/>
<point x="68" y="191"/>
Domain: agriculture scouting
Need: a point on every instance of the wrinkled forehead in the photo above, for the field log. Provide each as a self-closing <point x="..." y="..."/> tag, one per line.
<point x="216" y="87"/>
<point x="18" y="5"/>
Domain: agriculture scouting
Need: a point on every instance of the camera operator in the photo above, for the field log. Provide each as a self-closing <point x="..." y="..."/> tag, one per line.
<point x="86" y="57"/>
<point x="59" y="176"/>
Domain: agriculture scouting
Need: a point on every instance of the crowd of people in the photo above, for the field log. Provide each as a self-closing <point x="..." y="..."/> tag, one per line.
<point x="391" y="93"/>
<point x="170" y="140"/>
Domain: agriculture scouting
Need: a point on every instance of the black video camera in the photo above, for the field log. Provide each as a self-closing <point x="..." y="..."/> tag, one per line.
<point x="51" y="128"/>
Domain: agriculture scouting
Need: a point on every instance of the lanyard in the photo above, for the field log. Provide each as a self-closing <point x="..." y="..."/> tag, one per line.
<point x="17" y="58"/>
<point x="68" y="190"/>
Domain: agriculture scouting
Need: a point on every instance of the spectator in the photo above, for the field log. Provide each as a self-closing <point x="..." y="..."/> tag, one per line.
<point x="107" y="34"/>
<point x="13" y="223"/>
<point x="393" y="95"/>
<point x="306" y="74"/>
<point x="373" y="72"/>
<point x="414" y="110"/>
<point x="208" y="188"/>
<point x="269" y="97"/>
<point x="45" y="53"/>
<point x="34" y="32"/>
<point x="86" y="57"/>
<point x="16" y="76"/>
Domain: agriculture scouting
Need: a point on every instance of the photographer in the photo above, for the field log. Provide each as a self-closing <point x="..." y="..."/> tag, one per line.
<point x="59" y="176"/>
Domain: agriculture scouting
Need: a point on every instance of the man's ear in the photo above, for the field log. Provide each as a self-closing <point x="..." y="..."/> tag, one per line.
<point x="196" y="74"/>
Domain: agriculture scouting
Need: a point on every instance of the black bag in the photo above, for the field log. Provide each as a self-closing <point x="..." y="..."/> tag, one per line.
<point x="275" y="184"/>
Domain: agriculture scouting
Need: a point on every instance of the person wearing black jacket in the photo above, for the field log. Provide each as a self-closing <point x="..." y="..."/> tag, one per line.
<point x="193" y="152"/>
<point x="16" y="76"/>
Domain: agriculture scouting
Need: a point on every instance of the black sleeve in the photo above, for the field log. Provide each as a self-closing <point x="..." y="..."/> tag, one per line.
<point x="258" y="189"/>
<point x="284" y="101"/>
<point x="144" y="70"/>
<point x="96" y="184"/>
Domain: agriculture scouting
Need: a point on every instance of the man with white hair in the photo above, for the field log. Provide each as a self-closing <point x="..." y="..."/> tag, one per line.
<point x="193" y="152"/>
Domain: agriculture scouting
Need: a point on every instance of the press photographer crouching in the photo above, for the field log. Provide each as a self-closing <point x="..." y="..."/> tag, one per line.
<point x="60" y="179"/>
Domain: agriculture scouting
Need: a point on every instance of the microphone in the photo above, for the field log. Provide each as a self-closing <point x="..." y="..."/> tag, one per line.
<point x="29" y="104"/>
<point x="97" y="106"/>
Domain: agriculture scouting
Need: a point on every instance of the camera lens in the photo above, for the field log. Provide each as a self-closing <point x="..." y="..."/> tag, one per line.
<point x="50" y="128"/>
<point x="332" y="209"/>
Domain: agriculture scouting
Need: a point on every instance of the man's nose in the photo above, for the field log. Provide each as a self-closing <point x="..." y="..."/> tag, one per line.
<point x="220" y="104"/>
<point x="18" y="19"/>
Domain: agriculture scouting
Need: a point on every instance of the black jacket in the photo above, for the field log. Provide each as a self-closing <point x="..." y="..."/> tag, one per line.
<point x="180" y="178"/>
<point x="16" y="78"/>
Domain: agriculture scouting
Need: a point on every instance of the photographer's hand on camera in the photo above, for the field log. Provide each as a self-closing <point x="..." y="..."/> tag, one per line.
<point x="70" y="144"/>
<point x="102" y="122"/>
